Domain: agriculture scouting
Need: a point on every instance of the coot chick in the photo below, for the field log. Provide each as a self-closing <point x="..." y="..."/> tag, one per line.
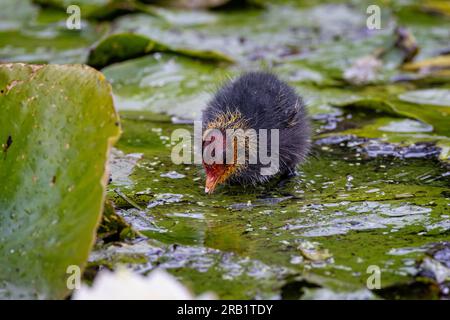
<point x="255" y="100"/>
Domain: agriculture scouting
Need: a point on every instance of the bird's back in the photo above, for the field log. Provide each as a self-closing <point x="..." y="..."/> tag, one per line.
<point x="262" y="99"/>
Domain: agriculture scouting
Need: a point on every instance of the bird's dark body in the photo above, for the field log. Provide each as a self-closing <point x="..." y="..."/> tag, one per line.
<point x="265" y="102"/>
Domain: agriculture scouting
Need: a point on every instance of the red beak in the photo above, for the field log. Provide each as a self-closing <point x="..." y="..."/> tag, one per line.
<point x="211" y="183"/>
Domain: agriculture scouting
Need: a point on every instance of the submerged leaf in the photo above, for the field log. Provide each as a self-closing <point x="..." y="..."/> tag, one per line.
<point x="429" y="106"/>
<point x="165" y="83"/>
<point x="119" y="47"/>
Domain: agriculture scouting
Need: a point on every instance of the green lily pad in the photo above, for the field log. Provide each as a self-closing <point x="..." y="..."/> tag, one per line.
<point x="57" y="123"/>
<point x="99" y="9"/>
<point x="42" y="44"/>
<point x="437" y="115"/>
<point x="436" y="97"/>
<point x="165" y="83"/>
<point x="385" y="109"/>
<point x="125" y="46"/>
<point x="275" y="33"/>
<point x="372" y="193"/>
<point x="45" y="38"/>
<point x="28" y="34"/>
<point x="406" y="126"/>
<point x="14" y="14"/>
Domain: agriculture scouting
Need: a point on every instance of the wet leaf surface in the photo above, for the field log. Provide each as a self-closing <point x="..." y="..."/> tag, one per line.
<point x="164" y="82"/>
<point x="373" y="192"/>
<point x="53" y="173"/>
<point x="376" y="188"/>
<point x="343" y="213"/>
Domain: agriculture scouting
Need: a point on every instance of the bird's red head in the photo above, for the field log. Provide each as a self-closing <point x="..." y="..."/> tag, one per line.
<point x="218" y="172"/>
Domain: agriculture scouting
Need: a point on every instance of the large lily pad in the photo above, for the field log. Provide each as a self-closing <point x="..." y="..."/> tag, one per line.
<point x="436" y="97"/>
<point x="57" y="124"/>
<point x="36" y="36"/>
<point x="429" y="106"/>
<point x="165" y="83"/>
<point x="275" y="33"/>
<point x="124" y="46"/>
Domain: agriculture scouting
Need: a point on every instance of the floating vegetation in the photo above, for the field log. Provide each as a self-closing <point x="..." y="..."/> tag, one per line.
<point x="374" y="191"/>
